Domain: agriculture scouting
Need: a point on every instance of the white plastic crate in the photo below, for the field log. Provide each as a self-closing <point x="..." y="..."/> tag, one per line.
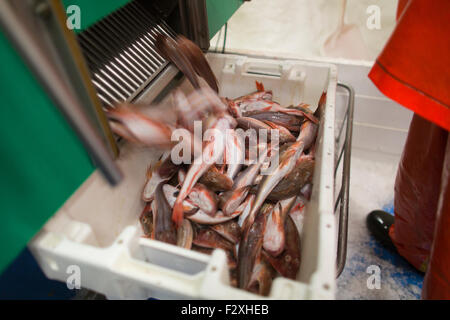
<point x="97" y="229"/>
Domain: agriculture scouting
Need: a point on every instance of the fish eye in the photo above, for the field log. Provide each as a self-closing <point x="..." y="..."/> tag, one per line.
<point x="287" y="258"/>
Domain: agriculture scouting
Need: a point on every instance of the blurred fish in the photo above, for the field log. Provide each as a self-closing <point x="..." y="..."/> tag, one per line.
<point x="170" y="49"/>
<point x="212" y="151"/>
<point x="139" y="128"/>
<point x="198" y="61"/>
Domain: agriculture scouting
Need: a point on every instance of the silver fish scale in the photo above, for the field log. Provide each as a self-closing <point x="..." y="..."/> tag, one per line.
<point x="121" y="54"/>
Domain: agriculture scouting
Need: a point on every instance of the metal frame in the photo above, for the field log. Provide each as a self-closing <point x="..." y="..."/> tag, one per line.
<point x="343" y="197"/>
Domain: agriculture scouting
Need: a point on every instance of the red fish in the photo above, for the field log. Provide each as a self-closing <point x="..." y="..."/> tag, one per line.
<point x="185" y="235"/>
<point x="146" y="220"/>
<point x="250" y="247"/>
<point x="251" y="105"/>
<point x="290" y="122"/>
<point x="140" y="128"/>
<point x="288" y="263"/>
<point x="229" y="230"/>
<point x="293" y="182"/>
<point x="297" y="213"/>
<point x="274" y="237"/>
<point x="284" y="134"/>
<point x="163" y="227"/>
<point x="171" y="193"/>
<point x="211" y="153"/>
<point x="287" y="162"/>
<point x="261" y="278"/>
<point x="197" y="58"/>
<point x="204" y="199"/>
<point x="207" y="238"/>
<point x="162" y="171"/>
<point x="216" y="180"/>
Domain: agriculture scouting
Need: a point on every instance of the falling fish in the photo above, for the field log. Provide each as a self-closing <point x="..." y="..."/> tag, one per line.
<point x="140" y="128"/>
<point x="211" y="153"/>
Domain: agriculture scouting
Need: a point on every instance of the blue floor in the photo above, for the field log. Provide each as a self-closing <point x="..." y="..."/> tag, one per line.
<point x="23" y="279"/>
<point x="399" y="280"/>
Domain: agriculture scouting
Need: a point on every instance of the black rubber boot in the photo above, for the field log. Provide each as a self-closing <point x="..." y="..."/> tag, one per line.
<point x="378" y="223"/>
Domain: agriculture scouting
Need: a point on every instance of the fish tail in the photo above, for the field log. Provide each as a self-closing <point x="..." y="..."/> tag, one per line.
<point x="259" y="86"/>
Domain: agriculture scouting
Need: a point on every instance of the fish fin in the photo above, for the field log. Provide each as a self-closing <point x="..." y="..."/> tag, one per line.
<point x="259" y="86"/>
<point x="300" y="113"/>
<point x="178" y="214"/>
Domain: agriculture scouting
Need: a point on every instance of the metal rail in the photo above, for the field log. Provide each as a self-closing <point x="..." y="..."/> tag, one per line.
<point x="343" y="197"/>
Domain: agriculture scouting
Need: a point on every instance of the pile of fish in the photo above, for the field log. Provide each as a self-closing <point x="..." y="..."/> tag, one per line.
<point x="222" y="198"/>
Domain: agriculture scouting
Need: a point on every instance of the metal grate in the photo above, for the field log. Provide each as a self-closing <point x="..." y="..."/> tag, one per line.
<point x="121" y="54"/>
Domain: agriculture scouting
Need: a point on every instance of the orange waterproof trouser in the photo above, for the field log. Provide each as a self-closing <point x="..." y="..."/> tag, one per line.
<point x="421" y="204"/>
<point x="414" y="70"/>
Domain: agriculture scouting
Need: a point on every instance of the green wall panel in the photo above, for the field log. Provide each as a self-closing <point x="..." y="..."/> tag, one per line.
<point x="219" y="11"/>
<point x="94" y="10"/>
<point x="42" y="162"/>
